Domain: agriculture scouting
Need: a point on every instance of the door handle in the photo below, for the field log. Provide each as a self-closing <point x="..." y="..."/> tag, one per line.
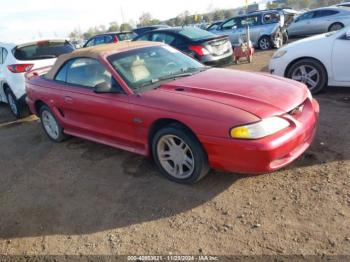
<point x="68" y="100"/>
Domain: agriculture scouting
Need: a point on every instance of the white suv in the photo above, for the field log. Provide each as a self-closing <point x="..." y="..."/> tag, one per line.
<point x="17" y="59"/>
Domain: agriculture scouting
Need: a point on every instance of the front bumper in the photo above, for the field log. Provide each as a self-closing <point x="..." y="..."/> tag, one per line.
<point x="267" y="154"/>
<point x="277" y="67"/>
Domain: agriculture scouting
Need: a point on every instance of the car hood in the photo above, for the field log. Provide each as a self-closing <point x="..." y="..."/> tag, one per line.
<point x="260" y="94"/>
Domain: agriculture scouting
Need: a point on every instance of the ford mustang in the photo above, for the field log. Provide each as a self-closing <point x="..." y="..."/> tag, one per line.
<point x="153" y="100"/>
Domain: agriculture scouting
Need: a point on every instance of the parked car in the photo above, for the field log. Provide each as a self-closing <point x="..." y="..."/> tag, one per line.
<point x="17" y="59"/>
<point x="265" y="29"/>
<point x="214" y="26"/>
<point x="345" y="4"/>
<point x="317" y="61"/>
<point x="152" y="99"/>
<point x="320" y="21"/>
<point x="109" y="37"/>
<point x="204" y="46"/>
<point x="144" y="29"/>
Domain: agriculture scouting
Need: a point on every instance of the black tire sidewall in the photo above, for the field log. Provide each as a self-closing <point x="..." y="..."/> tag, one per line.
<point x="318" y="66"/>
<point x="200" y="157"/>
<point x="8" y="93"/>
<point x="61" y="135"/>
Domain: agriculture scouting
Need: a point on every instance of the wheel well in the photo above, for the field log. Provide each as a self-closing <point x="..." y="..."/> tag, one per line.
<point x="5" y="86"/>
<point x="340" y="23"/>
<point x="163" y="122"/>
<point x="301" y="58"/>
<point x="38" y="104"/>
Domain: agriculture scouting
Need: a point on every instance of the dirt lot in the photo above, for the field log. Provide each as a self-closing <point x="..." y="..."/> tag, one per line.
<point x="79" y="197"/>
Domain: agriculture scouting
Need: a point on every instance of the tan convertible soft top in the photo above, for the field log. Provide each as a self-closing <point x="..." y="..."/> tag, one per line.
<point x="96" y="52"/>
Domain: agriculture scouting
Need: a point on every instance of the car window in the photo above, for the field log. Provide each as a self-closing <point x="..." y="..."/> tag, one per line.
<point x="126" y="36"/>
<point x="253" y="20"/>
<point x="99" y="40"/>
<point x="231" y="24"/>
<point x="85" y="72"/>
<point x="194" y="33"/>
<point x="179" y="40"/>
<point x="42" y="50"/>
<point x="163" y="38"/>
<point x="108" y="39"/>
<point x="305" y="16"/>
<point x="271" y="18"/>
<point x="322" y="13"/>
<point x="90" y="42"/>
<point x="144" y="37"/>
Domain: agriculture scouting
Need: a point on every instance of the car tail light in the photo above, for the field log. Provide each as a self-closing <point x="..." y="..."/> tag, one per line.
<point x="20" y="68"/>
<point x="199" y="50"/>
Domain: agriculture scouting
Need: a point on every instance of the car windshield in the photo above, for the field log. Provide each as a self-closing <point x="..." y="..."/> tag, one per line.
<point x="42" y="50"/>
<point x="195" y="33"/>
<point x="150" y="65"/>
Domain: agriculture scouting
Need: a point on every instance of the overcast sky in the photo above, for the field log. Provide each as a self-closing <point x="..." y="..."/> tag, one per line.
<point x="28" y="19"/>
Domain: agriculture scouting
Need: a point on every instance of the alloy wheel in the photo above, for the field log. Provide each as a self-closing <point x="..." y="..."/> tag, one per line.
<point x="308" y="75"/>
<point x="336" y="27"/>
<point x="50" y="124"/>
<point x="175" y="156"/>
<point x="264" y="44"/>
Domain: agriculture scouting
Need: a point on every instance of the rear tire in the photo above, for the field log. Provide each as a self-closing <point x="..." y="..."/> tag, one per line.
<point x="18" y="108"/>
<point x="179" y="155"/>
<point x="310" y="72"/>
<point x="51" y="126"/>
<point x="335" y="27"/>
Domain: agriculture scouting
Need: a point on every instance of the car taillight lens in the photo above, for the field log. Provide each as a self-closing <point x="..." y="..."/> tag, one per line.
<point x="20" y="68"/>
<point x="199" y="50"/>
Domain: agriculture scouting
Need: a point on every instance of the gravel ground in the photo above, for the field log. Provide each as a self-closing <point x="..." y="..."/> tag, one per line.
<point x="79" y="197"/>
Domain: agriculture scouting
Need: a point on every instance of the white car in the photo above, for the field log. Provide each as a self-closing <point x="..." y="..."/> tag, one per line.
<point x="317" y="61"/>
<point x="17" y="59"/>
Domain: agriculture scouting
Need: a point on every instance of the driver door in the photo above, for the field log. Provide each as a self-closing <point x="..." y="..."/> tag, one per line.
<point x="302" y="25"/>
<point x="233" y="29"/>
<point x="103" y="117"/>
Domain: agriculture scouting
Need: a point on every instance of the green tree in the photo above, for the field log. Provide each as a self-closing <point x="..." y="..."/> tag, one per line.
<point x="219" y="15"/>
<point x="125" y="27"/>
<point x="145" y="19"/>
<point x="113" y="27"/>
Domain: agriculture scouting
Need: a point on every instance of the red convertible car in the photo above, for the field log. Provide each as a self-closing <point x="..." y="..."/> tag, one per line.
<point x="153" y="100"/>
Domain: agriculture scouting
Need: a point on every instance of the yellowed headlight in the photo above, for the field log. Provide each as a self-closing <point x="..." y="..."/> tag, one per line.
<point x="263" y="128"/>
<point x="240" y="132"/>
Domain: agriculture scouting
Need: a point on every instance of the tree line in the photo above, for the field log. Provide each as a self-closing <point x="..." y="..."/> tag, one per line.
<point x="186" y="18"/>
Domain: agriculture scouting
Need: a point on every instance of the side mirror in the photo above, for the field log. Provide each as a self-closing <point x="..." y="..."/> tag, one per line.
<point x="104" y="87"/>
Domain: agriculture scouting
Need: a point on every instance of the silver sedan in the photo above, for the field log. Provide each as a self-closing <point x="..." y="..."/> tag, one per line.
<point x="320" y="21"/>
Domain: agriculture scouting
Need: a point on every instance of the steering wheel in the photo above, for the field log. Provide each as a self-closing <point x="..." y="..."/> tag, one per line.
<point x="169" y="66"/>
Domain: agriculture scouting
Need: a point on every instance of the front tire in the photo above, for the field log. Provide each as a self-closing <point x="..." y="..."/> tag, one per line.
<point x="179" y="155"/>
<point x="310" y="72"/>
<point x="51" y="126"/>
